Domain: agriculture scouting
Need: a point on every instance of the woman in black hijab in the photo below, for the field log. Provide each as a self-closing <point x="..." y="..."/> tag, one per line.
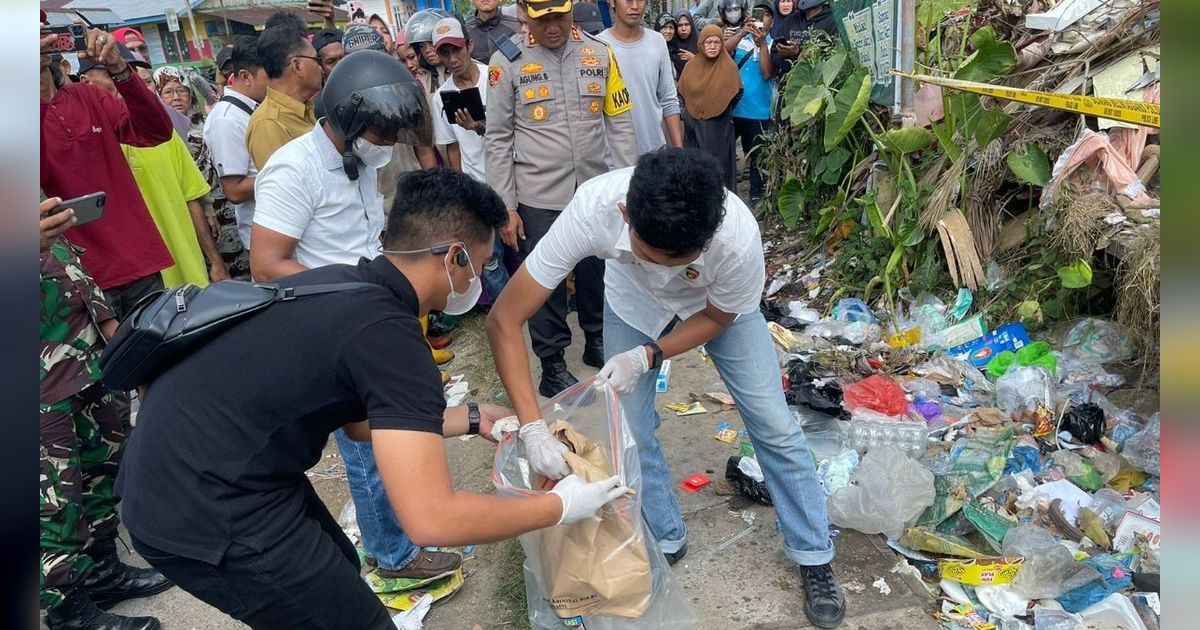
<point x="686" y="39"/>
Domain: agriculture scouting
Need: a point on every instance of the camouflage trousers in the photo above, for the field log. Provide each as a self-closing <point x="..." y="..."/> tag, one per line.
<point x="82" y="439"/>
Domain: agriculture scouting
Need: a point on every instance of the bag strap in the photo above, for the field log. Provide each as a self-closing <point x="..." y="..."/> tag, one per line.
<point x="744" y="60"/>
<point x="236" y="103"/>
<point x="285" y="294"/>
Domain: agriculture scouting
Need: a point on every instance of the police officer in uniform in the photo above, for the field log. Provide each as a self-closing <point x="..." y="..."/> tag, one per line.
<point x="555" y="95"/>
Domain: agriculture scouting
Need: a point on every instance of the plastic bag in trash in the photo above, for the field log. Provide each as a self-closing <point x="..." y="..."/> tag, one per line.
<point x="891" y="489"/>
<point x="1024" y="388"/>
<point x="1085" y="422"/>
<point x="1036" y="353"/>
<point x="1050" y="570"/>
<point x="1114" y="577"/>
<point x="1098" y="340"/>
<point x="1109" y="505"/>
<point x="1047" y="618"/>
<point x="602" y="573"/>
<point x="804" y="391"/>
<point x="1142" y="449"/>
<point x="853" y="310"/>
<point x="877" y="393"/>
<point x="1080" y="471"/>
<point x="739" y="472"/>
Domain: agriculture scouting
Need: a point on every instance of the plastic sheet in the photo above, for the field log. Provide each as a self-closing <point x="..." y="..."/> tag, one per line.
<point x="1114" y="577"/>
<point x="890" y="491"/>
<point x="1045" y="618"/>
<point x="604" y="573"/>
<point x="1050" y="570"/>
<point x="1142" y="449"/>
<point x="877" y="393"/>
<point x="1024" y="388"/>
<point x="1097" y="340"/>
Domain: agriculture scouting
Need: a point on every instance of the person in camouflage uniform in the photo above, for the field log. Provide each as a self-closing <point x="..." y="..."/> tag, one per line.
<point x="83" y="431"/>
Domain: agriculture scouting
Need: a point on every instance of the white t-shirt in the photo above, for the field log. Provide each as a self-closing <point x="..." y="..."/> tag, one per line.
<point x="470" y="144"/>
<point x="304" y="193"/>
<point x="225" y="135"/>
<point x="730" y="273"/>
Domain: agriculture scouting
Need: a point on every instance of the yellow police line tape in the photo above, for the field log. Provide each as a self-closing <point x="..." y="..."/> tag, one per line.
<point x="1124" y="110"/>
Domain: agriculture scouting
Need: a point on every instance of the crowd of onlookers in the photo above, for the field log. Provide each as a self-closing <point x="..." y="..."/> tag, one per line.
<point x="254" y="169"/>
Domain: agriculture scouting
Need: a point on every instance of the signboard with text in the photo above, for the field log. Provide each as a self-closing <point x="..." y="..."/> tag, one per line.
<point x="870" y="28"/>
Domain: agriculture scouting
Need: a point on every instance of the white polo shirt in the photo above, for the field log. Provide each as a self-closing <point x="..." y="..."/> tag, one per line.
<point x="225" y="135"/>
<point x="304" y="193"/>
<point x="730" y="273"/>
<point x="470" y="144"/>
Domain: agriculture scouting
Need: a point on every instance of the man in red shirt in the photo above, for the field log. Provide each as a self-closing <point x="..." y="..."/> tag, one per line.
<point x="81" y="134"/>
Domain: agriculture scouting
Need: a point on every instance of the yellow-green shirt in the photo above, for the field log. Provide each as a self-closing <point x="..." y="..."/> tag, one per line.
<point x="276" y="122"/>
<point x="168" y="179"/>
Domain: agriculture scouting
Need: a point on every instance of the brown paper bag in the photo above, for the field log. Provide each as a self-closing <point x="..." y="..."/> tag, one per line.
<point x="594" y="567"/>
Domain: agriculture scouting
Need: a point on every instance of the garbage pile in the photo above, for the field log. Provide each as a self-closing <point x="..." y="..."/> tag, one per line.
<point x="994" y="463"/>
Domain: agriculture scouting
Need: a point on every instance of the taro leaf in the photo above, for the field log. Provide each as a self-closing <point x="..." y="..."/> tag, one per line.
<point x="945" y="138"/>
<point x="875" y="216"/>
<point x="837" y="157"/>
<point x="991" y="59"/>
<point x="791" y="201"/>
<point x="905" y="141"/>
<point x="807" y="103"/>
<point x="832" y="174"/>
<point x="962" y="112"/>
<point x="992" y="124"/>
<point x="802" y="74"/>
<point x="910" y="235"/>
<point x="1029" y="164"/>
<point x="827" y="215"/>
<point x="1076" y="276"/>
<point x="831" y="67"/>
<point x="849" y="105"/>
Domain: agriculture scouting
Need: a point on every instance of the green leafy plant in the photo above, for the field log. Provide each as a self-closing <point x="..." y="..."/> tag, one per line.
<point x="1029" y="164"/>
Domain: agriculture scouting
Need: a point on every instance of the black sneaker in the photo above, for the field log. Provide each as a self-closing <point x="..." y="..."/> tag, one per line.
<point x="593" y="351"/>
<point x="824" y="602"/>
<point x="555" y="377"/>
<point x="676" y="556"/>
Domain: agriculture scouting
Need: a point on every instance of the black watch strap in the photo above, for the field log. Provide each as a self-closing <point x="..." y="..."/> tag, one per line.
<point x="657" y="360"/>
<point x="473" y="419"/>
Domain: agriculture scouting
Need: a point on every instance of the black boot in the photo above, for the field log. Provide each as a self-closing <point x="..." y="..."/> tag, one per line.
<point x="79" y="612"/>
<point x="555" y="377"/>
<point x="111" y="581"/>
<point x="824" y="602"/>
<point x="593" y="351"/>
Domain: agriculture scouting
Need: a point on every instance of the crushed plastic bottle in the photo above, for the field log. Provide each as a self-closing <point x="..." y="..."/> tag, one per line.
<point x="869" y="429"/>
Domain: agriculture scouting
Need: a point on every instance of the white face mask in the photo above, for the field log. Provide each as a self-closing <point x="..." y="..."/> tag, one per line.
<point x="459" y="303"/>
<point x="659" y="276"/>
<point x="733" y="16"/>
<point x="372" y="155"/>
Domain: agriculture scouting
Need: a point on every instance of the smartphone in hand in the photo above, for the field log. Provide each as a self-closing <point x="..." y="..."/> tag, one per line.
<point x="87" y="208"/>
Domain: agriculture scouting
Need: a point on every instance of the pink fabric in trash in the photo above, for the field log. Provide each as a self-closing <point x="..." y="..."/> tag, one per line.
<point x="1131" y="142"/>
<point x="1115" y="174"/>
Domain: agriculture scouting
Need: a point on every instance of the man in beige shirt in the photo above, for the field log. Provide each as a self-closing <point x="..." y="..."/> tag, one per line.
<point x="295" y="75"/>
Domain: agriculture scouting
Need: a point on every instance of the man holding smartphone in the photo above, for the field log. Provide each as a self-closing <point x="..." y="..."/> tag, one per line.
<point x="81" y="135"/>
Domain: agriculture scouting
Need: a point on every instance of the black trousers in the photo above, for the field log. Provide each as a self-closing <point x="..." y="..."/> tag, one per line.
<point x="122" y="299"/>
<point x="309" y="579"/>
<point x="548" y="327"/>
<point x="753" y="135"/>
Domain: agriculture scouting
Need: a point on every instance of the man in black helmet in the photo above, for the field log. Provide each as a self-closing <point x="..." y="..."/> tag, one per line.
<point x="214" y="488"/>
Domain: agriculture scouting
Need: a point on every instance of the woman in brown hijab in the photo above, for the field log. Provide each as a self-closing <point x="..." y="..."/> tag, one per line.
<point x="710" y="86"/>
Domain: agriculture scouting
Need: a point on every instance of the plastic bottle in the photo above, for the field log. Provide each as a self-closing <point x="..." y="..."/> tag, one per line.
<point x="869" y="429"/>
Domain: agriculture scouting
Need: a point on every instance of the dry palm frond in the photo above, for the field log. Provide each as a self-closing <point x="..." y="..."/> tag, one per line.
<point x="945" y="194"/>
<point x="1137" y="307"/>
<point x="1079" y="222"/>
<point x="984" y="213"/>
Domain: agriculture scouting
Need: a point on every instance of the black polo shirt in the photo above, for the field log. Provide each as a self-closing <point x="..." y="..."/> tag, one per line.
<point x="224" y="437"/>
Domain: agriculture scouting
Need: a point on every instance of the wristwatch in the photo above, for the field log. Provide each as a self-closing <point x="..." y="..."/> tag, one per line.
<point x="472" y="419"/>
<point x="656" y="362"/>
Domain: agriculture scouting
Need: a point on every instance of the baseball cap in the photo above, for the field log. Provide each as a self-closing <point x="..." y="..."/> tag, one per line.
<point x="587" y="17"/>
<point x="325" y="37"/>
<point x="124" y="32"/>
<point x="362" y="37"/>
<point x="224" y="56"/>
<point x="538" y="8"/>
<point x="448" y="31"/>
<point x="87" y="63"/>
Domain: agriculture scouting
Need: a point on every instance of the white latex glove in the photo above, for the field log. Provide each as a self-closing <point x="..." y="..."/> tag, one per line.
<point x="623" y="370"/>
<point x="545" y="453"/>
<point x="582" y="500"/>
<point x="505" y="425"/>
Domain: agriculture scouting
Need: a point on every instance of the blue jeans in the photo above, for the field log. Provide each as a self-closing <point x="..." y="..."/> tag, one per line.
<point x="745" y="358"/>
<point x="382" y="537"/>
<point x="495" y="274"/>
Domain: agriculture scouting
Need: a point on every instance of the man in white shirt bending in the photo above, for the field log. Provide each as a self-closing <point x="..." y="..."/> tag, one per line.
<point x="463" y="139"/>
<point x="684" y="268"/>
